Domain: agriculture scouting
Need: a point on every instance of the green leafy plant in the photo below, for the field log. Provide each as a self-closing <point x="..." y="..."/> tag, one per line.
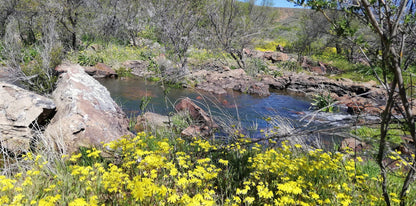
<point x="88" y="59"/>
<point x="144" y="102"/>
<point x="323" y="102"/>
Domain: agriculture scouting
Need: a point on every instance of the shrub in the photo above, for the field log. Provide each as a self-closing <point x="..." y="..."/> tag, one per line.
<point x="256" y="66"/>
<point x="38" y="66"/>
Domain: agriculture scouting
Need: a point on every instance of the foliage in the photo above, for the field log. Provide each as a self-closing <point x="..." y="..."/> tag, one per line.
<point x="256" y="66"/>
<point x="390" y="49"/>
<point x="181" y="121"/>
<point x="113" y="54"/>
<point x="243" y="23"/>
<point x="124" y="72"/>
<point x="200" y="56"/>
<point x="289" y="66"/>
<point x="373" y="134"/>
<point x="271" y="45"/>
<point x="88" y="59"/>
<point x="144" y="102"/>
<point x="149" y="170"/>
<point x="38" y="66"/>
<point x="323" y="102"/>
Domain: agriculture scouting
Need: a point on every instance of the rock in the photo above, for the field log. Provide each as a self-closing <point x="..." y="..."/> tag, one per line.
<point x="7" y="74"/>
<point x="353" y="144"/>
<point x="21" y="112"/>
<point x="318" y="70"/>
<point x="195" y="112"/>
<point x="211" y="87"/>
<point x="86" y="115"/>
<point x="247" y="52"/>
<point x="275" y="56"/>
<point x="253" y="88"/>
<point x="196" y="131"/>
<point x="218" y="82"/>
<point x="101" y="71"/>
<point x="204" y="124"/>
<point x="275" y="83"/>
<point x="138" y="68"/>
<point x="306" y="63"/>
<point x="357" y="105"/>
<point x="151" y="121"/>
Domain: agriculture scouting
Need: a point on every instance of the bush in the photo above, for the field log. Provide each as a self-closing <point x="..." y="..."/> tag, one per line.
<point x="255" y="66"/>
<point x="38" y="66"/>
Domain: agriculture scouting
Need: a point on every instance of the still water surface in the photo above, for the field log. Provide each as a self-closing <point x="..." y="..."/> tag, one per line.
<point x="248" y="110"/>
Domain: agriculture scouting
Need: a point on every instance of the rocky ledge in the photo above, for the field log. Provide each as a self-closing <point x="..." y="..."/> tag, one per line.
<point x="357" y="97"/>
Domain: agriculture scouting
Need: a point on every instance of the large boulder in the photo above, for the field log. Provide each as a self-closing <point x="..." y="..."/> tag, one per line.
<point x="21" y="112"/>
<point x="86" y="113"/>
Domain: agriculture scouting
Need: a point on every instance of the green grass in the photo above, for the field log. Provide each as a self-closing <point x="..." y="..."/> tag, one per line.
<point x="112" y="54"/>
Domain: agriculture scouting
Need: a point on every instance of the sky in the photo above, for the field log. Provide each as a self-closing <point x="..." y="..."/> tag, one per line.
<point x="284" y="3"/>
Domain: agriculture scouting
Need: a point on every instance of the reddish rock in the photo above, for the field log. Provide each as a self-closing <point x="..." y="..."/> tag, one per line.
<point x="196" y="113"/>
<point x="275" y="56"/>
<point x="7" y="74"/>
<point x="99" y="71"/>
<point x="218" y="82"/>
<point x="139" y="68"/>
<point x="318" y="70"/>
<point x="203" y="123"/>
<point x="196" y="131"/>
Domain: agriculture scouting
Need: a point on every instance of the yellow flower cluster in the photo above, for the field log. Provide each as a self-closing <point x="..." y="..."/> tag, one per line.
<point x="284" y="177"/>
<point x="149" y="170"/>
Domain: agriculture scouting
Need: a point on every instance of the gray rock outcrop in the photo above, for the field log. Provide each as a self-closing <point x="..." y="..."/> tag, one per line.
<point x="21" y="112"/>
<point x="86" y="113"/>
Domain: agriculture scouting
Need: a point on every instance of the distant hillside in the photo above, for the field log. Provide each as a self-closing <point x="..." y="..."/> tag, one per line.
<point x="287" y="15"/>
